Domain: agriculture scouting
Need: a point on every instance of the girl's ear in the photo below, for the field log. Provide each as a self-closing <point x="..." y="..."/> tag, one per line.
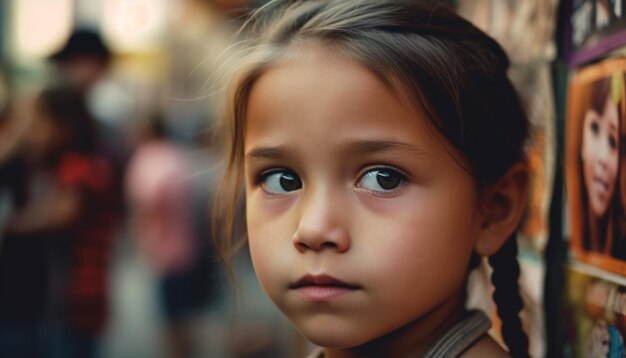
<point x="503" y="205"/>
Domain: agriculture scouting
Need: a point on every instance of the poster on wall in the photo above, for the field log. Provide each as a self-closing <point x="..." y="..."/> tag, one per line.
<point x="593" y="316"/>
<point x="595" y="27"/>
<point x="595" y="165"/>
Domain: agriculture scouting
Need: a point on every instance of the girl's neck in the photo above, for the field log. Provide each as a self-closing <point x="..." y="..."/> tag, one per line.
<point x="410" y="340"/>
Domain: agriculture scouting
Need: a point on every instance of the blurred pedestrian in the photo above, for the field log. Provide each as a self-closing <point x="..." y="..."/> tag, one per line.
<point x="70" y="210"/>
<point x="23" y="259"/>
<point x="84" y="62"/>
<point x="160" y="194"/>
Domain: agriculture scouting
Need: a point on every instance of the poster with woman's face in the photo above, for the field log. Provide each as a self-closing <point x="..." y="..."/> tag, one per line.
<point x="596" y="164"/>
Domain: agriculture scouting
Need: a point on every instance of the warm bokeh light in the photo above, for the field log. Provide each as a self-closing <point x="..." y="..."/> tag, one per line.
<point x="40" y="27"/>
<point x="134" y="25"/>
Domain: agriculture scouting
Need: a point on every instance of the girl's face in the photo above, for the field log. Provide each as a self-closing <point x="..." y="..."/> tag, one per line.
<point x="600" y="156"/>
<point x="360" y="221"/>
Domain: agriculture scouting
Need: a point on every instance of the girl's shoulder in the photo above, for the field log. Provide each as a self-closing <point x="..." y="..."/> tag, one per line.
<point x="485" y="347"/>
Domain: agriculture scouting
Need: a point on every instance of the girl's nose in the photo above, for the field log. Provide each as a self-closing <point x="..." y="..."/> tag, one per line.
<point x="320" y="227"/>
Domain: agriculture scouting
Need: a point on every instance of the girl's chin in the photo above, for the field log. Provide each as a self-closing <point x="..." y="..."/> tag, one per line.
<point x="334" y="342"/>
<point x="328" y="337"/>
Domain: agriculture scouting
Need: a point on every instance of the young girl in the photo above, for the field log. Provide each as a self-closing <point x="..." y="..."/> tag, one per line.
<point x="380" y="147"/>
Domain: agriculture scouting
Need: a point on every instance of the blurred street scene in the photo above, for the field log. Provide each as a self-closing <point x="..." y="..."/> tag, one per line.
<point x="107" y="171"/>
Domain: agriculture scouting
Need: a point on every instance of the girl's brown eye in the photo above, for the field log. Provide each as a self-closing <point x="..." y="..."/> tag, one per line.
<point x="280" y="182"/>
<point x="381" y="180"/>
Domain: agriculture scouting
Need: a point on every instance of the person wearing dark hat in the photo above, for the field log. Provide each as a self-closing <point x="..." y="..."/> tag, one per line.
<point x="84" y="59"/>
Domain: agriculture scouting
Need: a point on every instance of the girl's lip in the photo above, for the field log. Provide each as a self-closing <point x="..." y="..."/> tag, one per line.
<point x="321" y="281"/>
<point x="321" y="287"/>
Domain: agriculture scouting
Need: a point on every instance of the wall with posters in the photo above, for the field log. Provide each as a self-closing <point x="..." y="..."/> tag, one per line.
<point x="572" y="76"/>
<point x="593" y="309"/>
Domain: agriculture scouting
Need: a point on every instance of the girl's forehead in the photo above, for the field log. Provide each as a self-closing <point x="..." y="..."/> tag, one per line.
<point x="306" y="78"/>
<point x="314" y="92"/>
<point x="302" y="60"/>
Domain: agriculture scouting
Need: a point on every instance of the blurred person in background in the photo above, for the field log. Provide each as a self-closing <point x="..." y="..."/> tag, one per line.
<point x="71" y="211"/>
<point x="160" y="191"/>
<point x="11" y="133"/>
<point x="23" y="258"/>
<point x="84" y="62"/>
<point x="84" y="59"/>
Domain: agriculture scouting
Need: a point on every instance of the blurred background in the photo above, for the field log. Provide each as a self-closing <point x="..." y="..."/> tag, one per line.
<point x="107" y="171"/>
<point x="106" y="175"/>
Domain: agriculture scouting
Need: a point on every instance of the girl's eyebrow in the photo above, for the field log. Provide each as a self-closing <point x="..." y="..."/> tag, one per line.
<point x="375" y="146"/>
<point x="268" y="152"/>
<point x="359" y="146"/>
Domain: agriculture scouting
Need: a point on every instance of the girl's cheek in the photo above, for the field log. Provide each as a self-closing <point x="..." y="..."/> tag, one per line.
<point x="392" y="205"/>
<point x="261" y="203"/>
<point x="268" y="218"/>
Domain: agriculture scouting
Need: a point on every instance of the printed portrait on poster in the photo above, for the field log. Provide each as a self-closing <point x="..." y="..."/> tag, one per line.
<point x="595" y="27"/>
<point x="596" y="164"/>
